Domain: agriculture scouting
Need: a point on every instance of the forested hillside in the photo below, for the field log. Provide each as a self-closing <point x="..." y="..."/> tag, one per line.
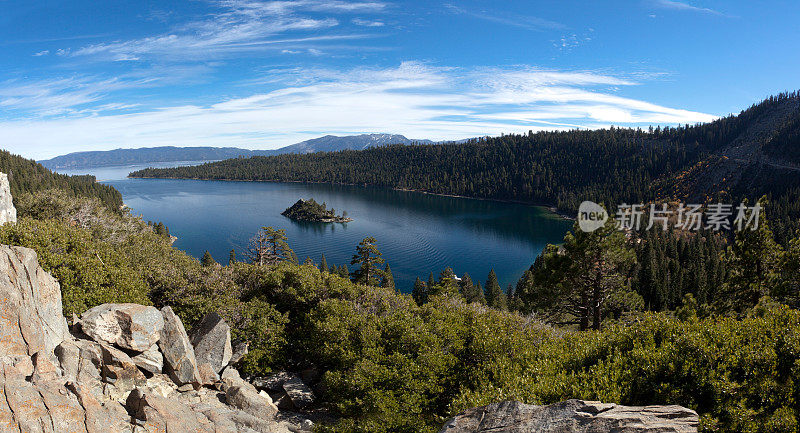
<point x="26" y="175"/>
<point x="562" y="168"/>
<point x="746" y="155"/>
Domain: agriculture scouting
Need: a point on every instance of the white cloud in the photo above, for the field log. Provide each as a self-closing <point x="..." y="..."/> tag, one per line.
<point x="414" y="99"/>
<point x="367" y="23"/>
<point x="238" y="26"/>
<point x="681" y="6"/>
<point x="42" y="53"/>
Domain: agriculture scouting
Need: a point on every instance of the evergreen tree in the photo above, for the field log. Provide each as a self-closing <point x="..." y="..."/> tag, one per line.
<point x="344" y="272"/>
<point x="469" y="291"/>
<point x="207" y="260"/>
<point x="269" y="247"/>
<point x="789" y="285"/>
<point x="578" y="279"/>
<point x="431" y="282"/>
<point x="479" y="291"/>
<point x="524" y="289"/>
<point x="447" y="284"/>
<point x="514" y="301"/>
<point x="388" y="278"/>
<point x="495" y="297"/>
<point x="323" y="264"/>
<point x="420" y="292"/>
<point x="368" y="258"/>
<point x="232" y="257"/>
<point x="753" y="261"/>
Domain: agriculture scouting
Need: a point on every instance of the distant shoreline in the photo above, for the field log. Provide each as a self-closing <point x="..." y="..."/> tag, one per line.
<point x="548" y="206"/>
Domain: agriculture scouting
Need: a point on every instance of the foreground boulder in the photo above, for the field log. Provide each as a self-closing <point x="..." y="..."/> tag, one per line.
<point x="211" y="339"/>
<point x="129" y="326"/>
<point x="248" y="400"/>
<point x="573" y="416"/>
<point x="179" y="360"/>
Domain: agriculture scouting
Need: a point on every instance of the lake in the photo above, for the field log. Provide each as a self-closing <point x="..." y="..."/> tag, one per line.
<point x="417" y="233"/>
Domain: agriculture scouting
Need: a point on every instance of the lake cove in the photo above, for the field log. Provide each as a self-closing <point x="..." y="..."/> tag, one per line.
<point x="417" y="233"/>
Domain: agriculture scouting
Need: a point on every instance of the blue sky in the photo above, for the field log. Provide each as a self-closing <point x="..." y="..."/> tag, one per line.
<point x="86" y="75"/>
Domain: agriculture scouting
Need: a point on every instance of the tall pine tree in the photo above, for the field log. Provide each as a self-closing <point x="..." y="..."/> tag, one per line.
<point x="495" y="297"/>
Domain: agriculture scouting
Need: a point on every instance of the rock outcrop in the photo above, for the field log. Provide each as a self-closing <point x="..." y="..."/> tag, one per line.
<point x="211" y="339"/>
<point x="179" y="358"/>
<point x="8" y="213"/>
<point x="108" y="377"/>
<point x="30" y="301"/>
<point x="129" y="326"/>
<point x="573" y="416"/>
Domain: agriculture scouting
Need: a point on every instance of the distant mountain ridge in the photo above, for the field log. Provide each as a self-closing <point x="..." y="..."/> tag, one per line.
<point x="328" y="143"/>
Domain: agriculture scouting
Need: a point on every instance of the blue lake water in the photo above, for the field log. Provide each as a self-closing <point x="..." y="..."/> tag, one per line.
<point x="417" y="233"/>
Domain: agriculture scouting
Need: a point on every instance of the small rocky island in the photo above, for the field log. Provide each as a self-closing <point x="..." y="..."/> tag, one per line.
<point x="310" y="210"/>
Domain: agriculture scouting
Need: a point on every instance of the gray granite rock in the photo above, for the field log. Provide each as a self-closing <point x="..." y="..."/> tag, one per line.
<point x="31" y="318"/>
<point x="300" y="394"/>
<point x="130" y="326"/>
<point x="573" y="416"/>
<point x="211" y="339"/>
<point x="8" y="213"/>
<point x="151" y="360"/>
<point x="249" y="401"/>
<point x="179" y="360"/>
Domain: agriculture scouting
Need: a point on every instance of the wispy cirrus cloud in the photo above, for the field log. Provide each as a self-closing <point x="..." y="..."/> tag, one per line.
<point x="367" y="23"/>
<point x="522" y="21"/>
<point x="682" y="6"/>
<point x="84" y="94"/>
<point x="238" y="26"/>
<point x="413" y="98"/>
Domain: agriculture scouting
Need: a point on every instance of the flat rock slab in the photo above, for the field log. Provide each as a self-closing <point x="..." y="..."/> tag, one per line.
<point x="211" y="338"/>
<point x="129" y="326"/>
<point x="573" y="416"/>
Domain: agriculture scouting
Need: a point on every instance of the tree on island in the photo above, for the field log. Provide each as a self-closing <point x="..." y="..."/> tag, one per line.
<point x="269" y="247"/>
<point x="310" y="210"/>
<point x="368" y="257"/>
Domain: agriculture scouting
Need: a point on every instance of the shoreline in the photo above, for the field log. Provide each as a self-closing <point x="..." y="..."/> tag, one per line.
<point x="552" y="209"/>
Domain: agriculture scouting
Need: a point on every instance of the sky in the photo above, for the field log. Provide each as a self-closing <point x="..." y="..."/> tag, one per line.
<point x="85" y="75"/>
